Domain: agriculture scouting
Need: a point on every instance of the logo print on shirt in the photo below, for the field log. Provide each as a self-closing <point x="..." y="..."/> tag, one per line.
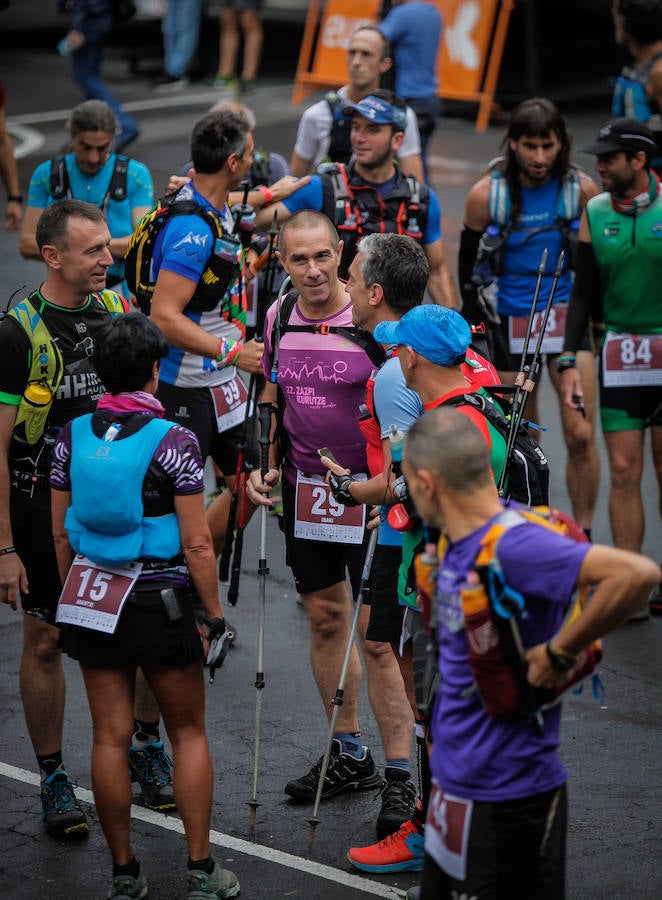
<point x="193" y="242"/>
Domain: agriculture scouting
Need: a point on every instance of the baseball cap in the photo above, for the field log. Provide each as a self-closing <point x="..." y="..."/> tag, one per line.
<point x="622" y="134"/>
<point x="379" y="111"/>
<point x="436" y="332"/>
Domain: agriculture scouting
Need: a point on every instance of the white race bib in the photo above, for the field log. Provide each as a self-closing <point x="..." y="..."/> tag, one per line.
<point x="552" y="342"/>
<point x="229" y="403"/>
<point x="319" y="516"/>
<point x="447" y="831"/>
<point x="93" y="596"/>
<point x="632" y="360"/>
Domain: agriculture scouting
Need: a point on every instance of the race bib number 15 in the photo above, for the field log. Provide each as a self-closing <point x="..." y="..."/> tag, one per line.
<point x="93" y="596"/>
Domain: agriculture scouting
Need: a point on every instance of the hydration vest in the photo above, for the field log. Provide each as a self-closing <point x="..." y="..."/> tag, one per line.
<point x="223" y="265"/>
<point x="60" y="188"/>
<point x="489" y="262"/>
<point x="357" y="209"/>
<point x="46" y="365"/>
<point x="491" y="612"/>
<point x="340" y="145"/>
<point x="631" y="100"/>
<point x="106" y="521"/>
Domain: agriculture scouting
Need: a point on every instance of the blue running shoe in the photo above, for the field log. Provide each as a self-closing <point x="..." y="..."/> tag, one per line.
<point x="61" y="811"/>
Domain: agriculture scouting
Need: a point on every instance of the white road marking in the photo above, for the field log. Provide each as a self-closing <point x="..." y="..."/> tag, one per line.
<point x="219" y="839"/>
<point x="26" y="140"/>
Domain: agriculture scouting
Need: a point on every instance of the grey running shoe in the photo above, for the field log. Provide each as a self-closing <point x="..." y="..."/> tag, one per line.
<point x="124" y="887"/>
<point x="398" y="803"/>
<point x="61" y="811"/>
<point x="344" y="773"/>
<point x="151" y="767"/>
<point x="219" y="885"/>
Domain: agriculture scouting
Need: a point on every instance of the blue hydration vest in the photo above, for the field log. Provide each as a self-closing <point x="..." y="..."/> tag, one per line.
<point x="106" y="519"/>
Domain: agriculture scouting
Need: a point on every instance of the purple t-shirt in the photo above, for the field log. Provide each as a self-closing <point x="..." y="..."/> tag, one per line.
<point x="323" y="379"/>
<point x="473" y="755"/>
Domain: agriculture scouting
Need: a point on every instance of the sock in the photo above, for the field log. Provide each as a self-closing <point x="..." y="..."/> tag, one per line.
<point x="587" y="532"/>
<point x="144" y="733"/>
<point x="132" y="869"/>
<point x="350" y="743"/>
<point x="51" y="763"/>
<point x="204" y="865"/>
<point x="397" y="770"/>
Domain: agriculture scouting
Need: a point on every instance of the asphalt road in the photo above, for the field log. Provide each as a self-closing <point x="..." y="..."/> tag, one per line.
<point x="612" y="749"/>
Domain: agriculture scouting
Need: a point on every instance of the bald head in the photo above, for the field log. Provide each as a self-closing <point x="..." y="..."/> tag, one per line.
<point x="447" y="444"/>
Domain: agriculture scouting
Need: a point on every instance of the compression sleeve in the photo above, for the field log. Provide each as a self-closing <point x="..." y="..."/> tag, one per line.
<point x="585" y="299"/>
<point x="469" y="240"/>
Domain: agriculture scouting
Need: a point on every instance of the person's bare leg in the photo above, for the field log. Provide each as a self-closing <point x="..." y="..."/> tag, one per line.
<point x="329" y="617"/>
<point x="42" y="685"/>
<point x="626" y="510"/>
<point x="228" y="43"/>
<point x="251" y="26"/>
<point x="110" y="697"/>
<point x="386" y="692"/>
<point x="181" y="696"/>
<point x="583" y="462"/>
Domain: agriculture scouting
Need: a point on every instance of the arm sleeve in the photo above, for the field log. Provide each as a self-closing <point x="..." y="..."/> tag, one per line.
<point x="585" y="299"/>
<point x="469" y="240"/>
<point x="432" y="231"/>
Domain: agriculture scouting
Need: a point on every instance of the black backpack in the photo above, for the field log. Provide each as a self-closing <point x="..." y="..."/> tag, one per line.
<point x="527" y="468"/>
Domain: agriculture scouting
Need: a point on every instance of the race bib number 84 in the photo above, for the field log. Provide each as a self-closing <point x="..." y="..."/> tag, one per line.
<point x="632" y="360"/>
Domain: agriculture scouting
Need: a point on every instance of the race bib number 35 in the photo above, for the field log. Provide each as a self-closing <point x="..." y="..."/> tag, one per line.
<point x="632" y="360"/>
<point x="93" y="596"/>
<point x="319" y="516"/>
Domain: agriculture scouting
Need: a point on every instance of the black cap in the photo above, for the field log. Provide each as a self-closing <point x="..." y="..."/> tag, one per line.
<point x="622" y="134"/>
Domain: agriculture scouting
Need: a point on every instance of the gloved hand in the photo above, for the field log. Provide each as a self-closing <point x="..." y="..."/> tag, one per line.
<point x="339" y="485"/>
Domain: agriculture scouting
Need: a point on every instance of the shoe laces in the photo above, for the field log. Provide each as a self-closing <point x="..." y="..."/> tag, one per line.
<point x="59" y="794"/>
<point x="154" y="763"/>
<point x="124" y="886"/>
<point x="399" y="795"/>
<point x="404" y="831"/>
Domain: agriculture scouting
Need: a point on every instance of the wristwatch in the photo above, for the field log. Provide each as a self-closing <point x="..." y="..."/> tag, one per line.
<point x="560" y="659"/>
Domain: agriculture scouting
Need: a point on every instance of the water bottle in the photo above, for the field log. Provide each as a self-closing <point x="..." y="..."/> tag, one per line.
<point x="397" y="442"/>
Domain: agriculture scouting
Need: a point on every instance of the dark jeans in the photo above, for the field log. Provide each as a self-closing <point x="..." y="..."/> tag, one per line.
<point x="86" y="71"/>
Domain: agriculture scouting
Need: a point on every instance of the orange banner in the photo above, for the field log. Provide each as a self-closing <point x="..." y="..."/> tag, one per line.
<point x="472" y="44"/>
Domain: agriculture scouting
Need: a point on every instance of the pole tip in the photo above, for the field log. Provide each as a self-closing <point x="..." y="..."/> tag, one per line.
<point x="313" y="822"/>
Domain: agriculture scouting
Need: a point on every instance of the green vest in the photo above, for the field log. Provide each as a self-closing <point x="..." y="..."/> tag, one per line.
<point x="628" y="251"/>
<point x="46" y="366"/>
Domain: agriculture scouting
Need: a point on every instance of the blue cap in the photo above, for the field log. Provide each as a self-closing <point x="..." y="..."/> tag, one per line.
<point x="379" y="111"/>
<point x="436" y="332"/>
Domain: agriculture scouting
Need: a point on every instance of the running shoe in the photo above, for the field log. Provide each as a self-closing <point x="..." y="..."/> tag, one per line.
<point x="226" y="84"/>
<point x="399" y="852"/>
<point x="124" y="887"/>
<point x="151" y="767"/>
<point x="61" y="811"/>
<point x="344" y="773"/>
<point x="398" y="804"/>
<point x="219" y="884"/>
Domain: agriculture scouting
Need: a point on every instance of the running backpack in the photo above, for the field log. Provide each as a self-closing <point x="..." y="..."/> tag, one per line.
<point x="528" y="469"/>
<point x="490" y="256"/>
<point x="222" y="268"/>
<point x="491" y="613"/>
<point x="340" y="146"/>
<point x="60" y="187"/>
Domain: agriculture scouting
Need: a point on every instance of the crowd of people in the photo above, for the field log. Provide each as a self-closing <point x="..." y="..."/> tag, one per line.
<point x="397" y="387"/>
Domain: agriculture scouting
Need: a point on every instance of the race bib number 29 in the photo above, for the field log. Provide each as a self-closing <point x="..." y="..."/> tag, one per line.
<point x="319" y="516"/>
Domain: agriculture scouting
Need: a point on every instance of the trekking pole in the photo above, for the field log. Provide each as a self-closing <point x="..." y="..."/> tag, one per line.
<point x="520" y="377"/>
<point x="265" y="412"/>
<point x="529" y="374"/>
<point x="249" y="419"/>
<point x="337" y="701"/>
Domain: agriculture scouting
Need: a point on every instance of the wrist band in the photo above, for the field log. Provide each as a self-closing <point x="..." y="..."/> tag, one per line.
<point x="566" y="361"/>
<point x="561" y="660"/>
<point x="266" y="193"/>
<point x="228" y="351"/>
<point x="14" y="198"/>
<point x="7" y="550"/>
